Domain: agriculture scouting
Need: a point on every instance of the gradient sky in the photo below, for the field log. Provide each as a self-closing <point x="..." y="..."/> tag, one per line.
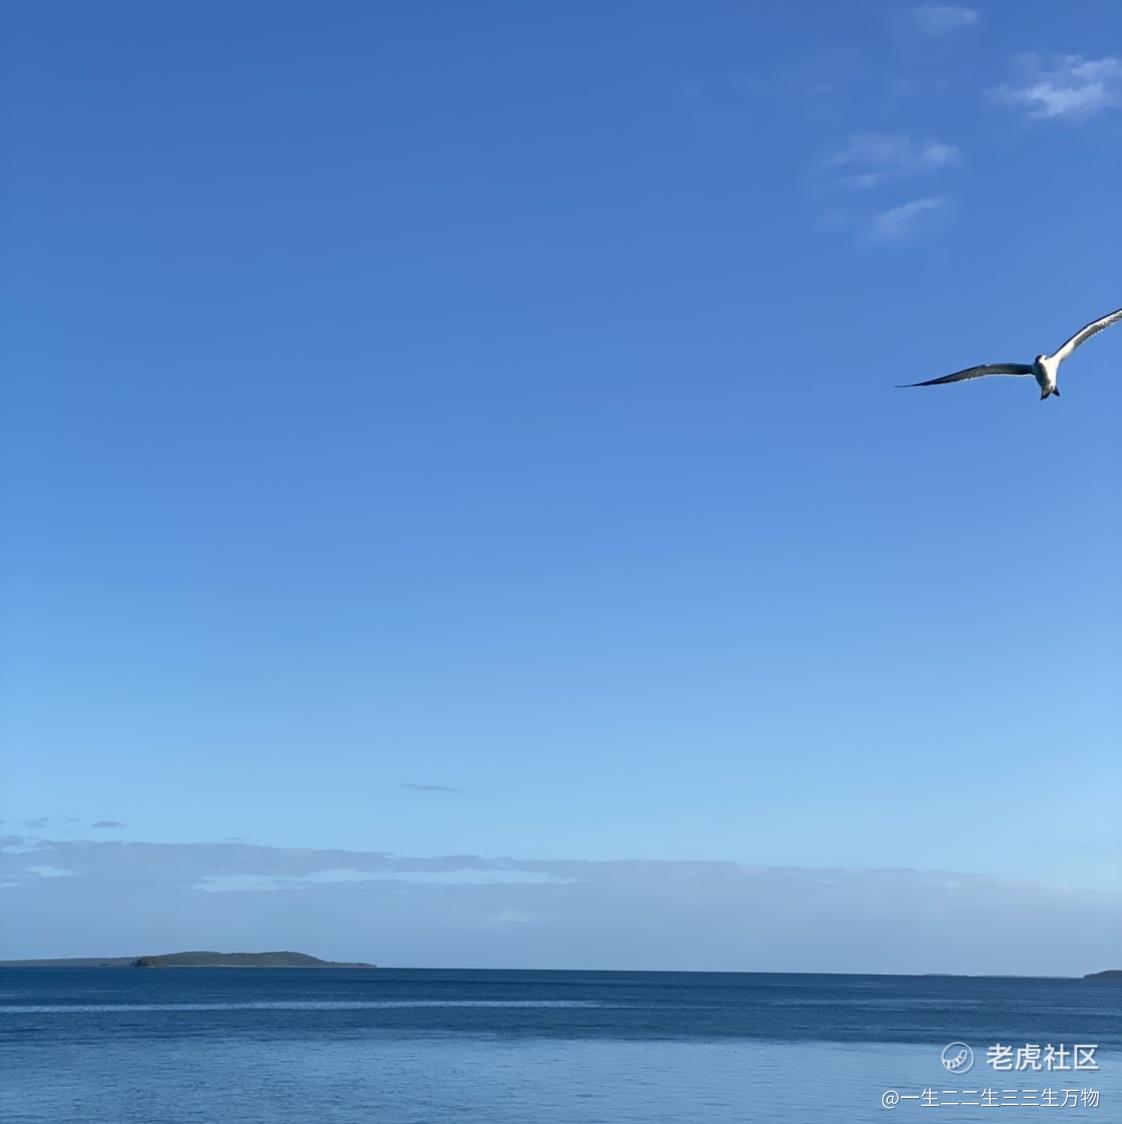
<point x="471" y="429"/>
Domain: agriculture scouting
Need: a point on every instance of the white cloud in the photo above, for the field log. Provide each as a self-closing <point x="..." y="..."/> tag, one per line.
<point x="474" y="877"/>
<point x="229" y="883"/>
<point x="870" y="159"/>
<point x="50" y="871"/>
<point x="1073" y="88"/>
<point x="16" y="845"/>
<point x="899" y="224"/>
<point x="510" y="917"/>
<point x="868" y="162"/>
<point x="945" y="19"/>
<point x="469" y="876"/>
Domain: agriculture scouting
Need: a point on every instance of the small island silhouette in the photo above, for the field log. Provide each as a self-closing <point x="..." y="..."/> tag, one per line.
<point x="192" y="960"/>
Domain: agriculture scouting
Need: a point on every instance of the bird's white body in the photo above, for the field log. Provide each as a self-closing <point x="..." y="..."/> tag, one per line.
<point x="1044" y="368"/>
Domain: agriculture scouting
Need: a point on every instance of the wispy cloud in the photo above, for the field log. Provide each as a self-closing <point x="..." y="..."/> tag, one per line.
<point x="229" y="883"/>
<point x="944" y="19"/>
<point x="868" y="166"/>
<point x="468" y="876"/>
<point x="431" y="788"/>
<point x="508" y="912"/>
<point x="900" y="224"/>
<point x="869" y="160"/>
<point x="50" y="871"/>
<point x="826" y="74"/>
<point x="1073" y="88"/>
<point x="20" y="845"/>
<point x="107" y="823"/>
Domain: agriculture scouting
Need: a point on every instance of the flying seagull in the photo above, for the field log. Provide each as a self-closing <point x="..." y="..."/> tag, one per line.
<point x="1043" y="368"/>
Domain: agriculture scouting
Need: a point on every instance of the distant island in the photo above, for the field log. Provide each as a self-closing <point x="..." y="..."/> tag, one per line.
<point x="191" y="960"/>
<point x="1109" y="974"/>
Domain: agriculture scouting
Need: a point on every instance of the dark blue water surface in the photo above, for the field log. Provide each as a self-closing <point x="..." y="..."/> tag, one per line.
<point x="191" y="1045"/>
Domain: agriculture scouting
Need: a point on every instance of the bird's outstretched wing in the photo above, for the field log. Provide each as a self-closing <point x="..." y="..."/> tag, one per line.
<point x="1086" y="333"/>
<point x="978" y="372"/>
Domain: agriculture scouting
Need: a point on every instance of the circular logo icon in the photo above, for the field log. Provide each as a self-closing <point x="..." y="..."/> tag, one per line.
<point x="957" y="1057"/>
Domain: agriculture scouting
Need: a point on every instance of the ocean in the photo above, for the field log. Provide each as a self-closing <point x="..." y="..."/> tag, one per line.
<point x="391" y="1046"/>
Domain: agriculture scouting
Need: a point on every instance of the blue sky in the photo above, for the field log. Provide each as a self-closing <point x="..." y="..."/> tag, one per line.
<point x="500" y="397"/>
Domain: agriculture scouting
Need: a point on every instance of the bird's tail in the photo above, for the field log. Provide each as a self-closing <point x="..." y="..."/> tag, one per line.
<point x="1045" y="393"/>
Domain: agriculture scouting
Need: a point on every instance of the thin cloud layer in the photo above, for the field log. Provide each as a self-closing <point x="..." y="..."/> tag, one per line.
<point x="227" y="883"/>
<point x="869" y="160"/>
<point x="1073" y="88"/>
<point x="860" y="177"/>
<point x="901" y="224"/>
<point x="464" y="910"/>
<point x="944" y="19"/>
<point x="21" y="845"/>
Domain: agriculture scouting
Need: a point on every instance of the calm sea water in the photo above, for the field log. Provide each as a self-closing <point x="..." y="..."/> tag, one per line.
<point x="197" y="1046"/>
